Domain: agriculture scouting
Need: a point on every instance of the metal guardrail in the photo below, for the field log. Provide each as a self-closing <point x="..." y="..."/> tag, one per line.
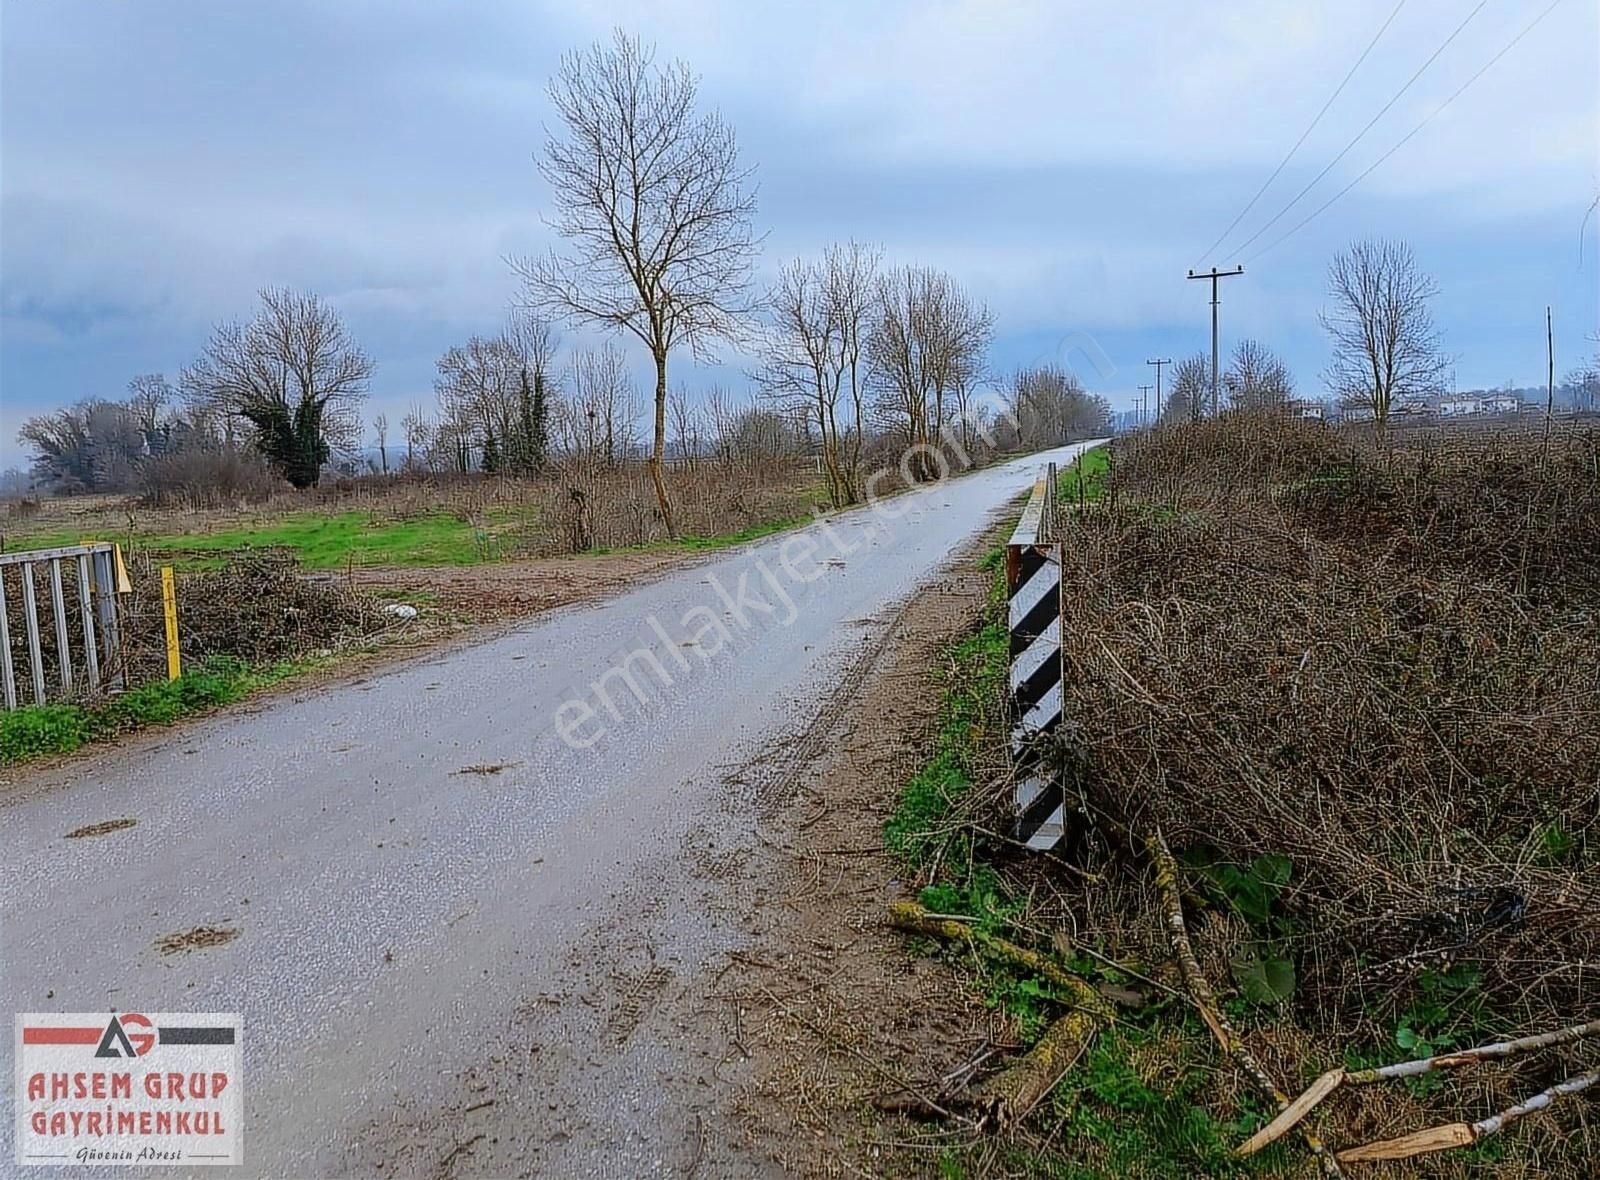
<point x="90" y="573"/>
<point x="1033" y="593"/>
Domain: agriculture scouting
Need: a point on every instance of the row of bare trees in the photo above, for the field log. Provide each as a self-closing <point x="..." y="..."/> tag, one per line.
<point x="286" y="384"/>
<point x="655" y="209"/>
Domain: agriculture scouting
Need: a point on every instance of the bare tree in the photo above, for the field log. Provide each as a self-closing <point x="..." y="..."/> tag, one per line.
<point x="802" y="370"/>
<point x="1191" y="386"/>
<point x="417" y="428"/>
<point x="93" y="446"/>
<point x="294" y="373"/>
<point x="813" y="355"/>
<point x="1384" y="342"/>
<point x="685" y="426"/>
<point x="501" y="387"/>
<point x="1257" y="379"/>
<point x="928" y="338"/>
<point x="477" y="386"/>
<point x="720" y="416"/>
<point x="1584" y="382"/>
<point x="600" y="417"/>
<point x="1049" y="406"/>
<point x="657" y="208"/>
<point x="852" y="275"/>
<point x="149" y="395"/>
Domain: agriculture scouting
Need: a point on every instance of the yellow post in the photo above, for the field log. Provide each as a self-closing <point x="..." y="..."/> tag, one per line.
<point x="169" y="607"/>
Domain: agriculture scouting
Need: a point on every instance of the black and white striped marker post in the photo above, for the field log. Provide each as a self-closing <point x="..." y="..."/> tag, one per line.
<point x="1033" y="589"/>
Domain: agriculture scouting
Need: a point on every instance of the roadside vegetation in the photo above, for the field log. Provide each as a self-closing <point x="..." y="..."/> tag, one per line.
<point x="39" y="730"/>
<point x="251" y="623"/>
<point x="1352" y="688"/>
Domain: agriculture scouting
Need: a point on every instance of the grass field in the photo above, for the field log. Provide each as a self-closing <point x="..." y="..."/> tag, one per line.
<point x="321" y="540"/>
<point x="324" y="541"/>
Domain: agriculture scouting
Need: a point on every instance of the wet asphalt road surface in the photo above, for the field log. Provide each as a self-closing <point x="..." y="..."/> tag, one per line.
<point x="471" y="876"/>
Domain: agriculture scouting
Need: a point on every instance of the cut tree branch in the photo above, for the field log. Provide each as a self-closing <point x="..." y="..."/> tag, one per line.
<point x="1166" y="879"/>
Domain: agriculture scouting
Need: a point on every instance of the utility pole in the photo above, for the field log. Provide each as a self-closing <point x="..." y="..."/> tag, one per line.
<point x="1214" y="274"/>
<point x="1144" y="403"/>
<point x="1156" y="417"/>
<point x="1550" y="378"/>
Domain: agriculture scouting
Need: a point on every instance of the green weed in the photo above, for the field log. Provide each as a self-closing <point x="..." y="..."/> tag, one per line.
<point x="38" y="730"/>
<point x="1085" y="478"/>
<point x="967" y="710"/>
<point x="35" y="730"/>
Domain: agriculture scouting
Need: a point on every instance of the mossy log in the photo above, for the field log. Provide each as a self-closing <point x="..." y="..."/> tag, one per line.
<point x="1004" y="1100"/>
<point x="1079" y="993"/>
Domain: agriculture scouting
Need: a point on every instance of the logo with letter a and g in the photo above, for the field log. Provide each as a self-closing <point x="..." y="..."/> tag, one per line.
<point x="117" y="1041"/>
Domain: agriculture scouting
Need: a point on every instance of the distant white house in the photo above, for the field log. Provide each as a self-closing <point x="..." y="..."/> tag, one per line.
<point x="1358" y="412"/>
<point x="1310" y="410"/>
<point x="1461" y="407"/>
<point x="1502" y="403"/>
<point x="1411" y="407"/>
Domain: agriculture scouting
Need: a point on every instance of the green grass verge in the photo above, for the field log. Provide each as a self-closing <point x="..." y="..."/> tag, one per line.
<point x="969" y="709"/>
<point x="1144" y="1101"/>
<point x="1091" y="469"/>
<point x="323" y="541"/>
<point x="708" y="544"/>
<point x="35" y="731"/>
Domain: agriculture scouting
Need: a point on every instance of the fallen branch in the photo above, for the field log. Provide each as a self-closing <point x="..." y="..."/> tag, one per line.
<point x="1166" y="878"/>
<point x="1451" y="1135"/>
<point x="1004" y="1100"/>
<point x="1336" y="1078"/>
<point x="914" y="919"/>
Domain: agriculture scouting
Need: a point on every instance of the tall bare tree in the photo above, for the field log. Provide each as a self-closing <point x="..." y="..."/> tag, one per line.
<point x="804" y="366"/>
<point x="657" y="210"/>
<point x="478" y="386"/>
<point x="1384" y="342"/>
<point x="852" y="275"/>
<point x="1257" y="379"/>
<point x="293" y="373"/>
<point x="417" y="428"/>
<point x="600" y="415"/>
<point x="927" y="338"/>
<point x="149" y="395"/>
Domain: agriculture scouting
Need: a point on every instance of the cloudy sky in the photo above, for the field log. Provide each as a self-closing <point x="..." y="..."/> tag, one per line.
<point x="160" y="162"/>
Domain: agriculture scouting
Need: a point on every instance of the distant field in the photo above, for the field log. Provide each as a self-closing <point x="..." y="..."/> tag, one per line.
<point x="420" y="525"/>
<point x="322" y="540"/>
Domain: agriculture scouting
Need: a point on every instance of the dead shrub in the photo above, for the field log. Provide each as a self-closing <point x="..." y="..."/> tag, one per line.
<point x="1385" y="667"/>
<point x="206" y="479"/>
<point x="257" y="607"/>
<point x="1237" y="454"/>
<point x="583" y="504"/>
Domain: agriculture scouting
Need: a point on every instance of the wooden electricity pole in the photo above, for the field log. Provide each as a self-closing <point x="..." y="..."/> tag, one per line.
<point x="1144" y="404"/>
<point x="1214" y="274"/>
<point x="1156" y="417"/>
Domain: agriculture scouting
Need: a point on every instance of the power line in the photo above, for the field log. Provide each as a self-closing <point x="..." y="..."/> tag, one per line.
<point x="1297" y="143"/>
<point x="1437" y="111"/>
<point x="1360" y="135"/>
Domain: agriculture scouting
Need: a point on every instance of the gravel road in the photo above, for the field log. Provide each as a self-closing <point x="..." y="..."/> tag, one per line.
<point x="476" y="897"/>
